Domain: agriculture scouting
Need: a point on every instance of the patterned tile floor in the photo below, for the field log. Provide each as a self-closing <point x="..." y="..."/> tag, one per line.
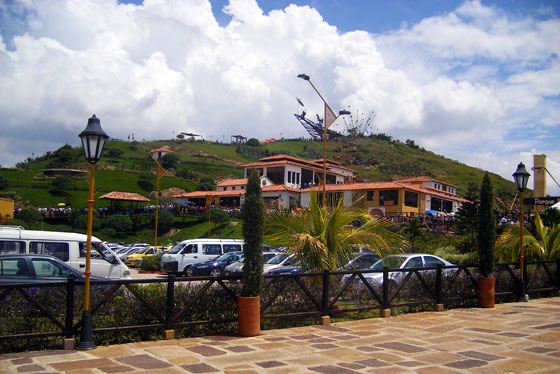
<point x="510" y="338"/>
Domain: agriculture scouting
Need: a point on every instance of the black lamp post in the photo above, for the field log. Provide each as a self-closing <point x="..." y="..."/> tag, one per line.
<point x="93" y="140"/>
<point x="328" y="120"/>
<point x="521" y="177"/>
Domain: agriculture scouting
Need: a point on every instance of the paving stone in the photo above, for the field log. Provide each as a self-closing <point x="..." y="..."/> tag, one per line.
<point x="486" y="342"/>
<point x="200" y="368"/>
<point x="480" y="355"/>
<point x="435" y="370"/>
<point x="239" y="348"/>
<point x="368" y="348"/>
<point x="324" y="346"/>
<point x="331" y="369"/>
<point x="81" y="364"/>
<point x="143" y="361"/>
<point x="207" y="351"/>
<point x="331" y="328"/>
<point x="116" y="369"/>
<point x="344" y="337"/>
<point x="21" y="361"/>
<point x="513" y="334"/>
<point x="540" y="350"/>
<point x="520" y="365"/>
<point x="306" y="337"/>
<point x="398" y="346"/>
<point x="466" y="364"/>
<point x="270" y="364"/>
<point x="372" y="362"/>
<point x="30" y="368"/>
<point x="410" y="363"/>
<point x="486" y="331"/>
<point x="352" y="365"/>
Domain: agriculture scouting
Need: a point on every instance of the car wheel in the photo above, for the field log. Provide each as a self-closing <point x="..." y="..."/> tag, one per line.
<point x="216" y="272"/>
<point x="186" y="271"/>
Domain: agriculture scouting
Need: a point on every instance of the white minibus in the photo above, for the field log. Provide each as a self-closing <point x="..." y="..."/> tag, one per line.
<point x="67" y="246"/>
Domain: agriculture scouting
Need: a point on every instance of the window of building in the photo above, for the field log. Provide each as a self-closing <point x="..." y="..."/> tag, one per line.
<point x="388" y="197"/>
<point x="411" y="199"/>
<point x="289" y="176"/>
<point x="369" y="195"/>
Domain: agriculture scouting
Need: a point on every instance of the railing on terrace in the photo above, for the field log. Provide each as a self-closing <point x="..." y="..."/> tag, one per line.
<point x="41" y="315"/>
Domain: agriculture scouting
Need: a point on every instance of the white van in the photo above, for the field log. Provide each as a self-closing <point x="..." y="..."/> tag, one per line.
<point x="68" y="247"/>
<point x="193" y="251"/>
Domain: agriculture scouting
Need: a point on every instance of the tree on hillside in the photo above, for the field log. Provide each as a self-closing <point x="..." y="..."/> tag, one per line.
<point x="253" y="142"/>
<point x="60" y="185"/>
<point x="323" y="238"/>
<point x="3" y="182"/>
<point x="169" y="161"/>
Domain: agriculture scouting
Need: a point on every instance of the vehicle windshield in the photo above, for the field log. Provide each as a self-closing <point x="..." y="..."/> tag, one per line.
<point x="225" y="256"/>
<point x="177" y="248"/>
<point x="392" y="262"/>
<point x="277" y="259"/>
<point x="106" y="253"/>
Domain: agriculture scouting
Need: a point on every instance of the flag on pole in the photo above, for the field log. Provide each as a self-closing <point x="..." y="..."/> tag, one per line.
<point x="330" y="117"/>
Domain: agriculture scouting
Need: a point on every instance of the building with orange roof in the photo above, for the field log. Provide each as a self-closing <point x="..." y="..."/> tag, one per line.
<point x="287" y="181"/>
<point x="158" y="153"/>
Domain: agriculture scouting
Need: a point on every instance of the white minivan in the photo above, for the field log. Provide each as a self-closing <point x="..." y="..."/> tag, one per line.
<point x="193" y="251"/>
<point x="67" y="246"/>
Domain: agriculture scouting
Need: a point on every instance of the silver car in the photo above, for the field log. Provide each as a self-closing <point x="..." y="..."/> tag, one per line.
<point x="402" y="261"/>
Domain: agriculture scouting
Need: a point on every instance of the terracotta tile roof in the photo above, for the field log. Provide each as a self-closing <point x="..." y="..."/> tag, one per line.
<point x="279" y="187"/>
<point x="128" y="196"/>
<point x="424" y="179"/>
<point x="163" y="149"/>
<point x="204" y="194"/>
<point x="232" y="182"/>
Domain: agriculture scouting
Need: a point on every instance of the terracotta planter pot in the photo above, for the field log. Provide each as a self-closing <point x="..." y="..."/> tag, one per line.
<point x="486" y="291"/>
<point x="249" y="315"/>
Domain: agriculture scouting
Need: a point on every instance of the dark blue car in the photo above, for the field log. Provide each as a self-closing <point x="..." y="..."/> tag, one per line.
<point x="215" y="267"/>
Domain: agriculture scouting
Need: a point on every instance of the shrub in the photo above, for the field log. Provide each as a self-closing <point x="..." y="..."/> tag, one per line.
<point x="80" y="222"/>
<point x="252" y="215"/>
<point x="151" y="263"/>
<point x="165" y="221"/>
<point x="30" y="216"/>
<point x="3" y="182"/>
<point x="253" y="142"/>
<point x="119" y="223"/>
<point x="59" y="185"/>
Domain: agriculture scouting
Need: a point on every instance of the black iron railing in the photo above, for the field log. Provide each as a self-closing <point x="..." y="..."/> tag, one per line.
<point x="130" y="310"/>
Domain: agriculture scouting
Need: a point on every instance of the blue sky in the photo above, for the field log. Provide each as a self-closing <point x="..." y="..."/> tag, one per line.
<point x="475" y="81"/>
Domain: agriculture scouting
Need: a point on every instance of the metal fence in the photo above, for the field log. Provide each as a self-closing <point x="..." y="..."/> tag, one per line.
<point x="132" y="310"/>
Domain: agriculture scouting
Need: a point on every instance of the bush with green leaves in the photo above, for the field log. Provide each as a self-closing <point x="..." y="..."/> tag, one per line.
<point x="217" y="216"/>
<point x="60" y="185"/>
<point x="80" y="222"/>
<point x="253" y="142"/>
<point x="486" y="228"/>
<point x="3" y="182"/>
<point x="29" y="215"/>
<point x="166" y="220"/>
<point x="151" y="263"/>
<point x="119" y="223"/>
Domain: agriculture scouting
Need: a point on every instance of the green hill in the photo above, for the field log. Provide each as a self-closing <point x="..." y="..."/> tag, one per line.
<point x="127" y="167"/>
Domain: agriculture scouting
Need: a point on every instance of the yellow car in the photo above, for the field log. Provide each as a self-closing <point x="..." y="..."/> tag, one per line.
<point x="134" y="259"/>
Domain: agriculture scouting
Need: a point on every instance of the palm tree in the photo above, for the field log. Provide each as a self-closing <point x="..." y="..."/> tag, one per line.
<point x="545" y="245"/>
<point x="414" y="229"/>
<point x="323" y="238"/>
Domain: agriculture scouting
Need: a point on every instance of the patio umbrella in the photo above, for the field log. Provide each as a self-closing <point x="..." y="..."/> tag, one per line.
<point x="431" y="211"/>
<point x="61" y="204"/>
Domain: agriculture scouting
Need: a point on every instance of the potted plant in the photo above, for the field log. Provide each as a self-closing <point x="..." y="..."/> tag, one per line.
<point x="252" y="216"/>
<point x="486" y="238"/>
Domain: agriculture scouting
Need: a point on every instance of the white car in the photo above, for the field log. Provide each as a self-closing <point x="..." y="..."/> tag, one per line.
<point x="402" y="261"/>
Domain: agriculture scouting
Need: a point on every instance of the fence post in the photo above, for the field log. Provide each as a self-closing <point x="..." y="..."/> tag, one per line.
<point x="169" y="331"/>
<point x="69" y="341"/>
<point x="439" y="293"/>
<point x="386" y="308"/>
<point x="325" y="319"/>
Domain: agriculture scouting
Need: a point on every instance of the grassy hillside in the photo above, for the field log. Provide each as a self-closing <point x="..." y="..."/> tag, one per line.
<point x="376" y="158"/>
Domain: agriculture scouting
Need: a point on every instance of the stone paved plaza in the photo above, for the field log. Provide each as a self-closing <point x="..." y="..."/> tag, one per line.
<point x="511" y="338"/>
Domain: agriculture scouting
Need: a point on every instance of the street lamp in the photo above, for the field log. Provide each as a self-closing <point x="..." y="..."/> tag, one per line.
<point x="328" y="120"/>
<point x="521" y="177"/>
<point x="93" y="140"/>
